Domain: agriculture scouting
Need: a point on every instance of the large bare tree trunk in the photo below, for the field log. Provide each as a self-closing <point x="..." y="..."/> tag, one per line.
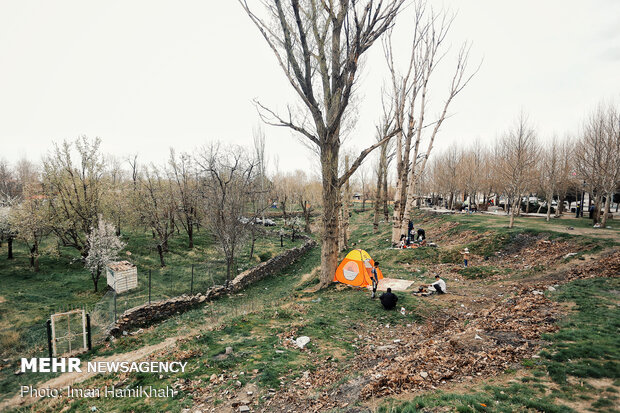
<point x="386" y="212"/>
<point x="597" y="208"/>
<point x="515" y="205"/>
<point x="331" y="208"/>
<point x="605" y="209"/>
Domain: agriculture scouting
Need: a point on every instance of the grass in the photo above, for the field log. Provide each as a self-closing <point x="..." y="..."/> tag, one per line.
<point x="588" y="345"/>
<point x="479" y="272"/>
<point x="25" y="305"/>
<point x="513" y="398"/>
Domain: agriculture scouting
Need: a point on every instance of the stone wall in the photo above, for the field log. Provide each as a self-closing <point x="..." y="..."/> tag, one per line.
<point x="148" y="314"/>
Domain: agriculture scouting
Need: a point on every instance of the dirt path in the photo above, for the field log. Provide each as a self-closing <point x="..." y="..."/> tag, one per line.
<point x="68" y="379"/>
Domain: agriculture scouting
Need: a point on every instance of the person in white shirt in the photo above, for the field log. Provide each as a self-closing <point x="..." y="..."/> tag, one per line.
<point x="439" y="286"/>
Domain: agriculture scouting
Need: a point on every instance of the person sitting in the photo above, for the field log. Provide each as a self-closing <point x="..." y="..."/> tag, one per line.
<point x="388" y="299"/>
<point x="401" y="243"/>
<point x="421" y="235"/>
<point x="439" y="286"/>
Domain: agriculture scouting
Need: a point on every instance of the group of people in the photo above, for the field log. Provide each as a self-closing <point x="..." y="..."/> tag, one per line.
<point x="389" y="299"/>
<point x="413" y="237"/>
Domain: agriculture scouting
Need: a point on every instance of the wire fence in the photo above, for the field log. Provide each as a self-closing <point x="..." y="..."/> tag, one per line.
<point x="155" y="285"/>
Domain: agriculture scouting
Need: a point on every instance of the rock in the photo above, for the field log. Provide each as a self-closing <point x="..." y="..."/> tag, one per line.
<point x="398" y="340"/>
<point x="245" y="402"/>
<point x="229" y="350"/>
<point x="550" y="288"/>
<point x="388" y="347"/>
<point x="250" y="393"/>
<point x="213" y="378"/>
<point x="424" y="374"/>
<point x="302" y="341"/>
<point x="279" y="351"/>
<point x="244" y="408"/>
<point x="238" y="383"/>
<point x="536" y="292"/>
<point x="477" y="337"/>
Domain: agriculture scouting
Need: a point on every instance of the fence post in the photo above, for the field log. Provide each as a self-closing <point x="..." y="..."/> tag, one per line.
<point x="191" y="288"/>
<point x="115" y="306"/>
<point x="89" y="336"/>
<point x="149" y="287"/>
<point x="49" y="338"/>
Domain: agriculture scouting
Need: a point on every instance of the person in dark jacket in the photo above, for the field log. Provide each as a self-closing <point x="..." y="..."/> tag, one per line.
<point x="388" y="299"/>
<point x="374" y="277"/>
<point x="421" y="235"/>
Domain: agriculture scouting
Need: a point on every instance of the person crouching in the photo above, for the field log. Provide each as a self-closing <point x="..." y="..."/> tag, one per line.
<point x="388" y="299"/>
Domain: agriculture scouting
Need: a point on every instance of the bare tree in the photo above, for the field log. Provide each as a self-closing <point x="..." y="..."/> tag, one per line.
<point x="381" y="174"/>
<point x="229" y="181"/>
<point x="591" y="156"/>
<point x="318" y="45"/>
<point x="259" y="153"/>
<point x="611" y="158"/>
<point x="518" y="154"/>
<point x="566" y="170"/>
<point x="363" y="176"/>
<point x="410" y="93"/>
<point x="308" y="194"/>
<point x="550" y="171"/>
<point x="156" y="208"/>
<point x="183" y="177"/>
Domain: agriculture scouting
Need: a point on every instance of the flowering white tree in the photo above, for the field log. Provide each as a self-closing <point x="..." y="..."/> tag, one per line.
<point x="103" y="248"/>
<point x="7" y="232"/>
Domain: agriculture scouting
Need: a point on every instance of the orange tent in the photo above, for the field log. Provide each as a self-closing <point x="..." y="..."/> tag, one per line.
<point x="355" y="269"/>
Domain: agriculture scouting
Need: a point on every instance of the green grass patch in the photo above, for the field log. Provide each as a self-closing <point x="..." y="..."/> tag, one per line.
<point x="588" y="345"/>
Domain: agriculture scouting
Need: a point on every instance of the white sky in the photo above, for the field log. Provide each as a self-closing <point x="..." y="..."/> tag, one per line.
<point x="147" y="75"/>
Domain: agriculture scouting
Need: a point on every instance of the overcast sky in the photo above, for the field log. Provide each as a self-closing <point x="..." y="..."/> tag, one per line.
<point x="148" y="75"/>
